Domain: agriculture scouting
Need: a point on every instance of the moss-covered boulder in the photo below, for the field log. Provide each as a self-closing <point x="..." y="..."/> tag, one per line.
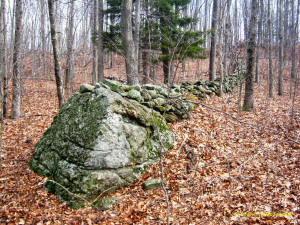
<point x="98" y="142"/>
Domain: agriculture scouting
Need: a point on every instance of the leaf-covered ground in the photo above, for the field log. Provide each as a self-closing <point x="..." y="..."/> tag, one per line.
<point x="231" y="168"/>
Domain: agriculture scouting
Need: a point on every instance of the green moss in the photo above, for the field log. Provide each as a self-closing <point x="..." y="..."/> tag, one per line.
<point x="170" y="117"/>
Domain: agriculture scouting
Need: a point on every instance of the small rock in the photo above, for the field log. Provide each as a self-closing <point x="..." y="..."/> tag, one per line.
<point x="114" y="85"/>
<point x="104" y="204"/>
<point x="160" y="101"/>
<point x="137" y="87"/>
<point x="163" y="92"/>
<point x="149" y="86"/>
<point x="153" y="94"/>
<point x="151" y="183"/>
<point x="136" y="95"/>
<point x="86" y="88"/>
<point x="170" y="118"/>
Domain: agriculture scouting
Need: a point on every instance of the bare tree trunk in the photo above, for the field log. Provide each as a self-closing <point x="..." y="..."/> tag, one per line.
<point x="3" y="71"/>
<point x="236" y="25"/>
<point x="16" y="100"/>
<point x="128" y="43"/>
<point x="270" y="73"/>
<point x="280" y="78"/>
<point x="146" y="46"/>
<point x="248" y="99"/>
<point x="100" y="42"/>
<point x="70" y="41"/>
<point x="294" y="41"/>
<point x="205" y="20"/>
<point x="212" y="58"/>
<point x="227" y="37"/>
<point x="94" y="35"/>
<point x="59" y="85"/>
<point x="246" y="16"/>
<point x="286" y="27"/>
<point x="136" y="36"/>
<point x="259" y="34"/>
<point x="43" y="38"/>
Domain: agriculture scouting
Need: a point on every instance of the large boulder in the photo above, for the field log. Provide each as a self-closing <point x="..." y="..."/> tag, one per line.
<point x="98" y="142"/>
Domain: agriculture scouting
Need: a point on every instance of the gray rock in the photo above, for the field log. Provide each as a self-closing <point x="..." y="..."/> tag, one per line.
<point x="151" y="183"/>
<point x="107" y="203"/>
<point x="86" y="88"/>
<point x="164" y="92"/>
<point x="153" y="94"/>
<point x="114" y="85"/>
<point x="150" y="86"/>
<point x="160" y="101"/>
<point x="136" y="95"/>
<point x="98" y="143"/>
<point x="146" y="95"/>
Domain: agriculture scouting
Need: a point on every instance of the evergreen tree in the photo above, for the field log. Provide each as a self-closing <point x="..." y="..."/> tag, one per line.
<point x="168" y="30"/>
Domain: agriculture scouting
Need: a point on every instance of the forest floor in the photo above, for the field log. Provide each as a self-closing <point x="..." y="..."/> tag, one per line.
<point x="241" y="167"/>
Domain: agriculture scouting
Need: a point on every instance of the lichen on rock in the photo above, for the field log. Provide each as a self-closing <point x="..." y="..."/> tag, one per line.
<point x="105" y="135"/>
<point x="98" y="141"/>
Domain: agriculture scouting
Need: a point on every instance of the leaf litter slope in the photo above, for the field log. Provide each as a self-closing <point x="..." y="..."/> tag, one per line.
<point x="233" y="168"/>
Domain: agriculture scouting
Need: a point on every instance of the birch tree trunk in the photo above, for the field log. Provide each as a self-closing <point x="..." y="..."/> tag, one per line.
<point x="270" y="31"/>
<point x="280" y="78"/>
<point x="59" y="85"/>
<point x="70" y="41"/>
<point x="16" y="98"/>
<point x="128" y="43"/>
<point x="248" y="99"/>
<point x="100" y="42"/>
<point x="212" y="57"/>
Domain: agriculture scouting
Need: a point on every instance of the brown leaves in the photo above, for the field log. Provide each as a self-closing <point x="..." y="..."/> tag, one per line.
<point x="233" y="168"/>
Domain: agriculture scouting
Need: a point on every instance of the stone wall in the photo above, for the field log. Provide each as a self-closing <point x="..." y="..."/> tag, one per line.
<point x="105" y="135"/>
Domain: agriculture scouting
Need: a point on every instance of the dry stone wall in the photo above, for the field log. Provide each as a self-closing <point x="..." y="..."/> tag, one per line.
<point x="105" y="135"/>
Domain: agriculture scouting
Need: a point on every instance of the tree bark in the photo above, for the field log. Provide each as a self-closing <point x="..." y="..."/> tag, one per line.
<point x="100" y="42"/>
<point x="70" y="42"/>
<point x="94" y="44"/>
<point x="212" y="58"/>
<point x="286" y="27"/>
<point x="270" y="31"/>
<point x="43" y="37"/>
<point x="295" y="22"/>
<point x="3" y="71"/>
<point x="259" y="34"/>
<point x="146" y="46"/>
<point x="59" y="85"/>
<point x="128" y="43"/>
<point x="280" y="78"/>
<point x="136" y="36"/>
<point x="249" y="91"/>
<point x="16" y="98"/>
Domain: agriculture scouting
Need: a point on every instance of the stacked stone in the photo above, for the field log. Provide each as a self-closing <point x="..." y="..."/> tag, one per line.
<point x="170" y="102"/>
<point x="105" y="135"/>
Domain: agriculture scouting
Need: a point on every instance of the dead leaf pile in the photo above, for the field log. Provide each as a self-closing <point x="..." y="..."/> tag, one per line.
<point x="236" y="168"/>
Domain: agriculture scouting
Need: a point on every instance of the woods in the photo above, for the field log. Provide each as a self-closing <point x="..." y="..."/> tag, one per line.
<point x="166" y="55"/>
